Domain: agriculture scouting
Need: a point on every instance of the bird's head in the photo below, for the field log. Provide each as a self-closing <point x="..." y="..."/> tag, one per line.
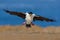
<point x="30" y="13"/>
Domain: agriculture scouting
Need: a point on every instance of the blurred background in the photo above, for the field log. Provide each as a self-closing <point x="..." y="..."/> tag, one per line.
<point x="45" y="8"/>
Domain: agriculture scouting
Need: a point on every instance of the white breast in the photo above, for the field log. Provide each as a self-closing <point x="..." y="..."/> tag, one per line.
<point x="29" y="18"/>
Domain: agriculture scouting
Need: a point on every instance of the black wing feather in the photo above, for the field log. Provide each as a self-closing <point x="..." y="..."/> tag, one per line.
<point x="20" y="14"/>
<point x="43" y="19"/>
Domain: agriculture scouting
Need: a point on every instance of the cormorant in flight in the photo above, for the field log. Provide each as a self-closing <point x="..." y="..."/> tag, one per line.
<point x="29" y="17"/>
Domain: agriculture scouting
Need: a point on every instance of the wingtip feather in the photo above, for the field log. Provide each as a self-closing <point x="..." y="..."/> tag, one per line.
<point x="5" y="10"/>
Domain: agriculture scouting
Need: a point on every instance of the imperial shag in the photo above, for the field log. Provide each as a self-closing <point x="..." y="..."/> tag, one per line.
<point x="29" y="17"/>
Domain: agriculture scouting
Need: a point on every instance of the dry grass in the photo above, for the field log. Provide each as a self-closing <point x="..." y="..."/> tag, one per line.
<point x="34" y="33"/>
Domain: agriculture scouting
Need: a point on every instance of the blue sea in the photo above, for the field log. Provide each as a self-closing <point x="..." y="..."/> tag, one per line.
<point x="46" y="8"/>
<point x="7" y="19"/>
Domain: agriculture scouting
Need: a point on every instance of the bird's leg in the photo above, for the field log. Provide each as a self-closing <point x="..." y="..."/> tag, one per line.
<point x="24" y="23"/>
<point x="32" y="23"/>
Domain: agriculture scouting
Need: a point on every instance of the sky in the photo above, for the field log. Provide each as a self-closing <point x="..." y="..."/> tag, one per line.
<point x="45" y="8"/>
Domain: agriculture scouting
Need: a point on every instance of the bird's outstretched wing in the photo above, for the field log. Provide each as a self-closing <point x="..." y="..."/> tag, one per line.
<point x="20" y="14"/>
<point x="43" y="19"/>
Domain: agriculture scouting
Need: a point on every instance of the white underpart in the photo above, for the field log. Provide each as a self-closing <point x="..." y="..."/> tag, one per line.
<point x="29" y="18"/>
